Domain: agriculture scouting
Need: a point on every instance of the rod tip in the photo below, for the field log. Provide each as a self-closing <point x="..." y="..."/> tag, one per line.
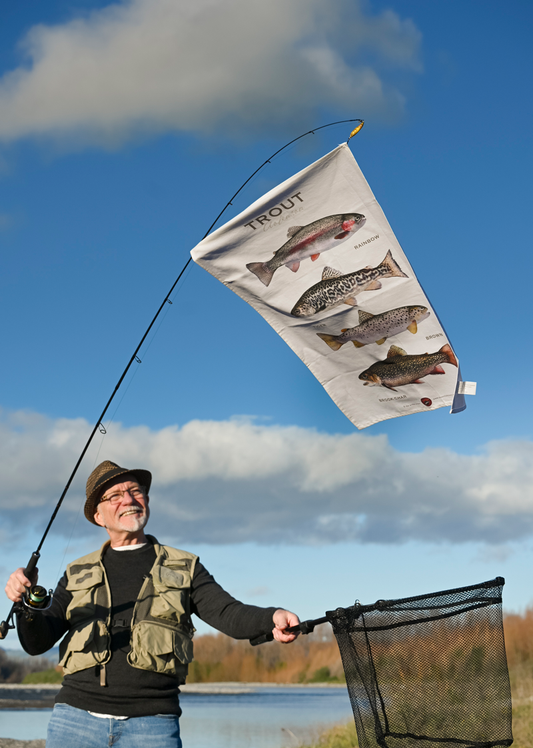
<point x="356" y="129"/>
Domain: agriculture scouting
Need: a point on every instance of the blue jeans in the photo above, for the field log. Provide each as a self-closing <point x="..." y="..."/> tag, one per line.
<point x="79" y="729"/>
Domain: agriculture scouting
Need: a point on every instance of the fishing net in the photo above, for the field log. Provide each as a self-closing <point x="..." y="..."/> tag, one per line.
<point x="428" y="670"/>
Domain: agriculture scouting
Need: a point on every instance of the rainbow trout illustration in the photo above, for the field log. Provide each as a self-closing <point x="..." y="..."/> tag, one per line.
<point x="399" y="368"/>
<point x="308" y="241"/>
<point x="376" y="328"/>
<point x="336" y="288"/>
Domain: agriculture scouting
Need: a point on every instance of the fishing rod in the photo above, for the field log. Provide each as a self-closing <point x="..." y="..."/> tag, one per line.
<point x="8" y="624"/>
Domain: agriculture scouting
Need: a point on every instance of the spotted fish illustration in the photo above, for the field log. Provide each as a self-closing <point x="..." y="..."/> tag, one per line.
<point x="308" y="241"/>
<point x="399" y="368"/>
<point x="376" y="328"/>
<point x="336" y="288"/>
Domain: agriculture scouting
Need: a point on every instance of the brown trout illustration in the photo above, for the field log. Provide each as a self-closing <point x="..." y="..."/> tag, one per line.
<point x="336" y="288"/>
<point x="399" y="368"/>
<point x="308" y="241"/>
<point x="376" y="328"/>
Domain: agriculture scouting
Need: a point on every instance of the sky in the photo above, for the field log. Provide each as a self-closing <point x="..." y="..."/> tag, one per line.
<point x="125" y="128"/>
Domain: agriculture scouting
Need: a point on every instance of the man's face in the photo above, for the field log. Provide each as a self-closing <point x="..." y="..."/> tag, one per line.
<point x="124" y="513"/>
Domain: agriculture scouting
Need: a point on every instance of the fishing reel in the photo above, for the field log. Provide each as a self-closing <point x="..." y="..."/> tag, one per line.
<point x="36" y="598"/>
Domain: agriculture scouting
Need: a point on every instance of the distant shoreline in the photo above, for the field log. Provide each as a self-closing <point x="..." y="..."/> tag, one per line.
<point x="41" y="695"/>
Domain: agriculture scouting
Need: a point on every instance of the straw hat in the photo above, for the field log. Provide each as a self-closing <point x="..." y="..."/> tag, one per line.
<point x="101" y="475"/>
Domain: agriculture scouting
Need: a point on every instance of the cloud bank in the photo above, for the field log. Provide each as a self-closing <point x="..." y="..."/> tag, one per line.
<point x="144" y="66"/>
<point x="236" y="481"/>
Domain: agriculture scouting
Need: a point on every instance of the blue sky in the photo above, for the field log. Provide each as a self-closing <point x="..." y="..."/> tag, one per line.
<point x="124" y="130"/>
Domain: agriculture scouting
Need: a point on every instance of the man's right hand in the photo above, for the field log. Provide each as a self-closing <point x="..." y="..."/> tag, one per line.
<point x="18" y="583"/>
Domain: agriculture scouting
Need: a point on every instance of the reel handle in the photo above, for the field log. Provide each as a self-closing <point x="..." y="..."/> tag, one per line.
<point x="4" y="626"/>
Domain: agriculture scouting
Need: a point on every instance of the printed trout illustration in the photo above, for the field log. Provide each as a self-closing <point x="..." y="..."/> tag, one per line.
<point x="308" y="241"/>
<point x="335" y="288"/>
<point x="399" y="368"/>
<point x="376" y="328"/>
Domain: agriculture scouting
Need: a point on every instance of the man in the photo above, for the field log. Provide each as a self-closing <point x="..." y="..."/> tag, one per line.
<point x="126" y="611"/>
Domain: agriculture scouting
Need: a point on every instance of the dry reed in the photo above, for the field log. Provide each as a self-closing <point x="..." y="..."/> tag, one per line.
<point x="219" y="658"/>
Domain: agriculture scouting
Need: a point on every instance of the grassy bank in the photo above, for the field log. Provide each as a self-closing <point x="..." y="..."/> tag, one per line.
<point x="52" y="675"/>
<point x="342" y="736"/>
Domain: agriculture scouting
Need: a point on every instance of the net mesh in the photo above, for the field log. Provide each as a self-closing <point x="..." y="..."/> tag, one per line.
<point x="428" y="671"/>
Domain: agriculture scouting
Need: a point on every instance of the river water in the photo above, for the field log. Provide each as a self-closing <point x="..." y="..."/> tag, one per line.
<point x="265" y="717"/>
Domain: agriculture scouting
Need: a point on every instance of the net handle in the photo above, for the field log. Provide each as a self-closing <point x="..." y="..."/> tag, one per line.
<point x="304" y="627"/>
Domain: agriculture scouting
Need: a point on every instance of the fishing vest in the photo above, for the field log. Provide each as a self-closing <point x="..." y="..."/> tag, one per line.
<point x="161" y="626"/>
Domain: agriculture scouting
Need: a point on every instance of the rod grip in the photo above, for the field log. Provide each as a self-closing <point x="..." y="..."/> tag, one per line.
<point x="32" y="562"/>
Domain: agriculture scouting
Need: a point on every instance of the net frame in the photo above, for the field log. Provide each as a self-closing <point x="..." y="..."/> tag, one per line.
<point x="408" y="687"/>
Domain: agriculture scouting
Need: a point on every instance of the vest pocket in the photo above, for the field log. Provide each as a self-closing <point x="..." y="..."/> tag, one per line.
<point x="172" y="588"/>
<point x="84" y="647"/>
<point x="83" y="585"/>
<point x="160" y="648"/>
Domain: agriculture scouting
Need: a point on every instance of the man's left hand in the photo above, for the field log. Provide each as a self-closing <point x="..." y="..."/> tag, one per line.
<point x="283" y="619"/>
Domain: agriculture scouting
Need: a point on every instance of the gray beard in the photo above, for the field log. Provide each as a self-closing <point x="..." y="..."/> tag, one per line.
<point x="136" y="522"/>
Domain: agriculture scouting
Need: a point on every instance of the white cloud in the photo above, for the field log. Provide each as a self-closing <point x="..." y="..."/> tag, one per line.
<point x="198" y="65"/>
<point x="227" y="482"/>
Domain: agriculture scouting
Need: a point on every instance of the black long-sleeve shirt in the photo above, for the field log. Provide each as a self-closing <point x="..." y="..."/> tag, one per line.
<point x="130" y="691"/>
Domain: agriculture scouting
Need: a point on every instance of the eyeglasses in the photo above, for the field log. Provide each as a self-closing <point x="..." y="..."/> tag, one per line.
<point x="137" y="492"/>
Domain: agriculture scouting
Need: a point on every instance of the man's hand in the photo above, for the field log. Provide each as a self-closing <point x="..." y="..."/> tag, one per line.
<point x="18" y="583"/>
<point x="284" y="619"/>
